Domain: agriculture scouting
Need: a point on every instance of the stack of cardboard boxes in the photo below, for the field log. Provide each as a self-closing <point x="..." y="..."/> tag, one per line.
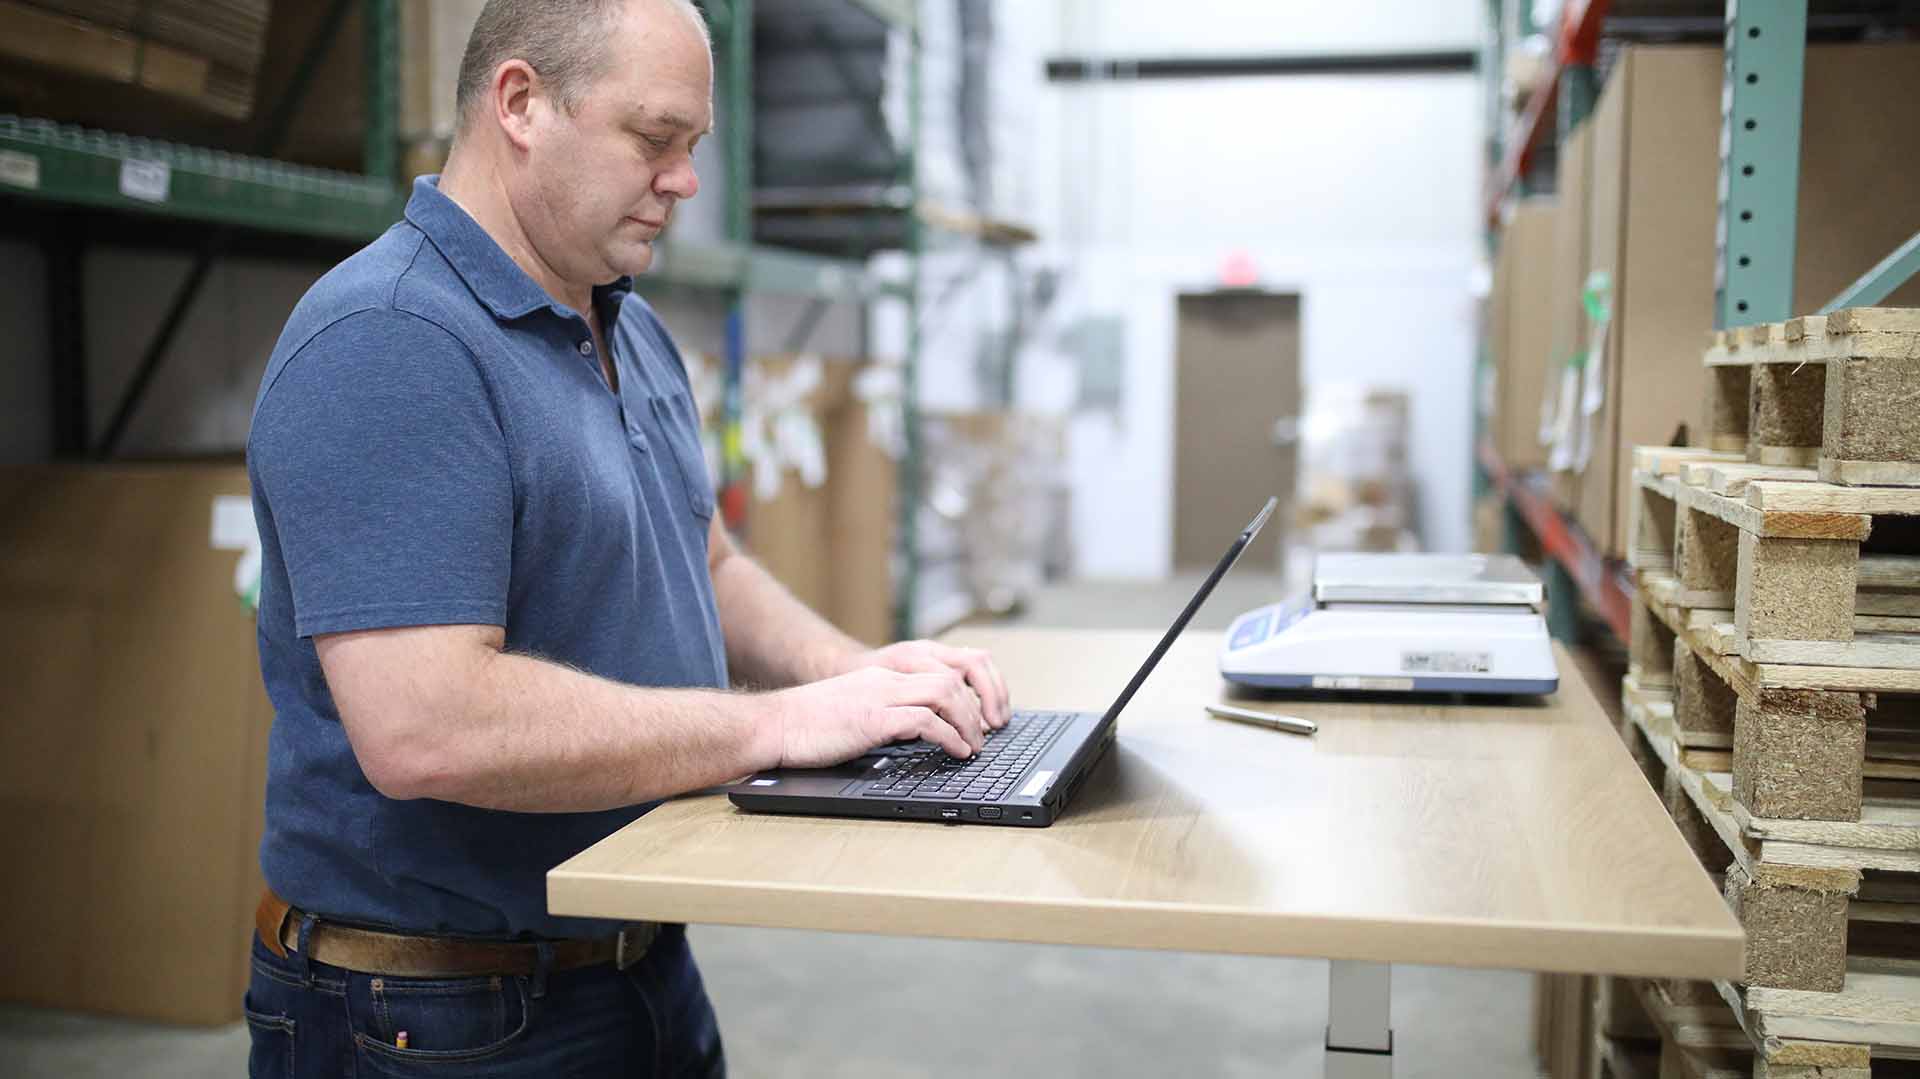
<point x="1632" y="239"/>
<point x="204" y="54"/>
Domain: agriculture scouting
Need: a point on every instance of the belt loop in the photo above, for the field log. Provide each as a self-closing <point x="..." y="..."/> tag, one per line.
<point x="302" y="950"/>
<point x="542" y="966"/>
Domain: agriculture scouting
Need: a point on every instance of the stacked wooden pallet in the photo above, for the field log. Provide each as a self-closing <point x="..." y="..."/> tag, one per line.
<point x="1832" y="392"/>
<point x="1774" y="684"/>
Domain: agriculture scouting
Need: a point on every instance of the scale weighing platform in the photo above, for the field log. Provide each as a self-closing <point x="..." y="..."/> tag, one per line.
<point x="1401" y="623"/>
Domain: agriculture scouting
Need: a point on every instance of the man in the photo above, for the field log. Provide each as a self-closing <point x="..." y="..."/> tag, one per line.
<point x="499" y="617"/>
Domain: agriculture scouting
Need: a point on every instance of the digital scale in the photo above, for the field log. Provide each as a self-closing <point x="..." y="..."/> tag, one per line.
<point x="1401" y="623"/>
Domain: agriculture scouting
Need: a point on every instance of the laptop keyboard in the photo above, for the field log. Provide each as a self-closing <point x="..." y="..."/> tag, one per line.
<point x="926" y="771"/>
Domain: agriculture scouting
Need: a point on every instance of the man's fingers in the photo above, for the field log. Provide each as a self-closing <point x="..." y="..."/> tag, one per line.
<point x="968" y="714"/>
<point x="984" y="677"/>
<point x="910" y="721"/>
<point x="948" y="694"/>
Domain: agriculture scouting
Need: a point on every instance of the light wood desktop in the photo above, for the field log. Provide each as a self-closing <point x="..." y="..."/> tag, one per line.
<point x="1514" y="834"/>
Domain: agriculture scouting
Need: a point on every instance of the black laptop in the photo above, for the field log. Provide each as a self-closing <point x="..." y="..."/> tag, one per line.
<point x="1024" y="776"/>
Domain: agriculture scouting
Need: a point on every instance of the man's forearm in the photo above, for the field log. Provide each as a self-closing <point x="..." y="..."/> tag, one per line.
<point x="772" y="638"/>
<point x="534" y="736"/>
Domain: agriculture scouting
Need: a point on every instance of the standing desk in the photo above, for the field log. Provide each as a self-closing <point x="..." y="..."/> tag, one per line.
<point x="1514" y="835"/>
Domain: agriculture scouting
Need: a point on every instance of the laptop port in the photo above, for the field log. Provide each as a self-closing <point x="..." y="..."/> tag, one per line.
<point x="950" y="814"/>
<point x="989" y="812"/>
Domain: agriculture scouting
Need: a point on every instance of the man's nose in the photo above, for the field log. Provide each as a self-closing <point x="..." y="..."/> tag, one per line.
<point x="681" y="181"/>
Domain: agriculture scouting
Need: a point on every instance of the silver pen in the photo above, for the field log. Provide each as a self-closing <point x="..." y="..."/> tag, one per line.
<point x="1289" y="724"/>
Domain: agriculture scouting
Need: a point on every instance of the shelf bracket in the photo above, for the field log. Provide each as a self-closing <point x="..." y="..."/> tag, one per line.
<point x="1878" y="283"/>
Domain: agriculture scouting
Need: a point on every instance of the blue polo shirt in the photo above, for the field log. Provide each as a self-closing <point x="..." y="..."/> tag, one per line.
<point x="434" y="444"/>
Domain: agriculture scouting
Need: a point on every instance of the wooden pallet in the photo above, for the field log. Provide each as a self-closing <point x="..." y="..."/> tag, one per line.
<point x="1700" y="1038"/>
<point x="1797" y="739"/>
<point x="1809" y="907"/>
<point x="1876" y="1017"/>
<point x="1782" y="554"/>
<point x="1832" y="392"/>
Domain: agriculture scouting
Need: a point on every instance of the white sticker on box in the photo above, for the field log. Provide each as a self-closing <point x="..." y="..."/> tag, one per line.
<point x="233" y="528"/>
<point x="20" y="170"/>
<point x="1361" y="682"/>
<point x="147" y="181"/>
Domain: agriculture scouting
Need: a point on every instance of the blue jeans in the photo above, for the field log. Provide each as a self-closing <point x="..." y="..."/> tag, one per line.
<point x="311" y="1020"/>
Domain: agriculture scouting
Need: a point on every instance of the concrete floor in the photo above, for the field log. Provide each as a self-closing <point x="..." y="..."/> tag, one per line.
<point x="1081" y="1012"/>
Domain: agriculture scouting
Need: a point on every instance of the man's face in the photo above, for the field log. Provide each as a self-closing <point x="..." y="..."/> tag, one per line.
<point x="603" y="181"/>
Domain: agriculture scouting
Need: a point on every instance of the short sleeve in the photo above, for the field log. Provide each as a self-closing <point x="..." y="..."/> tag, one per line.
<point x="378" y="458"/>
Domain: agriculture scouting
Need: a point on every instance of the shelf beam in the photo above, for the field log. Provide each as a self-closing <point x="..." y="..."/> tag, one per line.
<point x="42" y="160"/>
<point x="1603" y="584"/>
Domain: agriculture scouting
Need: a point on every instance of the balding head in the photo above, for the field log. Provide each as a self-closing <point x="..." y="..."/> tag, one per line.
<point x="565" y="41"/>
<point x="578" y="124"/>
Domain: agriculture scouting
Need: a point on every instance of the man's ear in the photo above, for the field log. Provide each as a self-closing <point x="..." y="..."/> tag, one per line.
<point x="516" y="96"/>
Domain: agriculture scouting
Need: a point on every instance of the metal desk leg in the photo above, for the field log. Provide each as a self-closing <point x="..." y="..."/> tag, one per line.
<point x="1359" y="1023"/>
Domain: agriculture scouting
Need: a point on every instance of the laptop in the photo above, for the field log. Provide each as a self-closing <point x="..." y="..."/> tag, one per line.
<point x="1024" y="776"/>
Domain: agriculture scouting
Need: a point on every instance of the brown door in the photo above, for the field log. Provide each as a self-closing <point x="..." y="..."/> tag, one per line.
<point x="1239" y="380"/>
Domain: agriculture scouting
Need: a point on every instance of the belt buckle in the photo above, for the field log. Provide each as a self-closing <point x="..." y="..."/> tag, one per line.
<point x="630" y="946"/>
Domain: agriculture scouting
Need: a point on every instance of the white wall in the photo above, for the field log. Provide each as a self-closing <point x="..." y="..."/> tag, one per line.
<point x="1357" y="191"/>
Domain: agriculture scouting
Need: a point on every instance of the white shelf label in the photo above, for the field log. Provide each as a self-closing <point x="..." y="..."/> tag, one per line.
<point x="20" y="170"/>
<point x="233" y="528"/>
<point x="145" y="180"/>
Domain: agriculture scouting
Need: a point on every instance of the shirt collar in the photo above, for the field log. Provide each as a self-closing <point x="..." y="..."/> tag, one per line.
<point x="489" y="272"/>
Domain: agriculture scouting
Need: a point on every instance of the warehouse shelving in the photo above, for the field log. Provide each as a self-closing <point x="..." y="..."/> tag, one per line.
<point x="67" y="170"/>
<point x="1760" y="152"/>
<point x="1604" y="585"/>
<point x="248" y="199"/>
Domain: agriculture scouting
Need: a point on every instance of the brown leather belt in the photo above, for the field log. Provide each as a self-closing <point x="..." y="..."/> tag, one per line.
<point x="401" y="955"/>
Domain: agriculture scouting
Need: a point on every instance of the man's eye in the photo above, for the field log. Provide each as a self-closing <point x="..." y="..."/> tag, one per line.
<point x="656" y="142"/>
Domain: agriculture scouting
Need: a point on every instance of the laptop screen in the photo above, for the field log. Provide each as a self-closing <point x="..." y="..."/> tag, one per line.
<point x="1193" y="605"/>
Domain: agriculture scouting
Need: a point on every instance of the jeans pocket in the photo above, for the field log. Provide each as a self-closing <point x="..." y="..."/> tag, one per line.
<point x="455" y="1021"/>
<point x="680" y="421"/>
<point x="686" y="1031"/>
<point x="270" y="1052"/>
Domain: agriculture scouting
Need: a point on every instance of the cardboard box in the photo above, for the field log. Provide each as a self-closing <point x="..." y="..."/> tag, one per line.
<point x="98" y="52"/>
<point x="135" y="771"/>
<point x="1520" y="331"/>
<point x="1567" y="329"/>
<point x="1652" y="219"/>
<point x="204" y="54"/>
<point x="832" y="545"/>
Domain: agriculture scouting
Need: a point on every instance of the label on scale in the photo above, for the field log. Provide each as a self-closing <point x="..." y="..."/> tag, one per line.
<point x="1361" y="682"/>
<point x="1446" y="662"/>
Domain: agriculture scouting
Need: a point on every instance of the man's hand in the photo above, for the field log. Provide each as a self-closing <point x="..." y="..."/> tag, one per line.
<point x="839" y="718"/>
<point x="932" y="657"/>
